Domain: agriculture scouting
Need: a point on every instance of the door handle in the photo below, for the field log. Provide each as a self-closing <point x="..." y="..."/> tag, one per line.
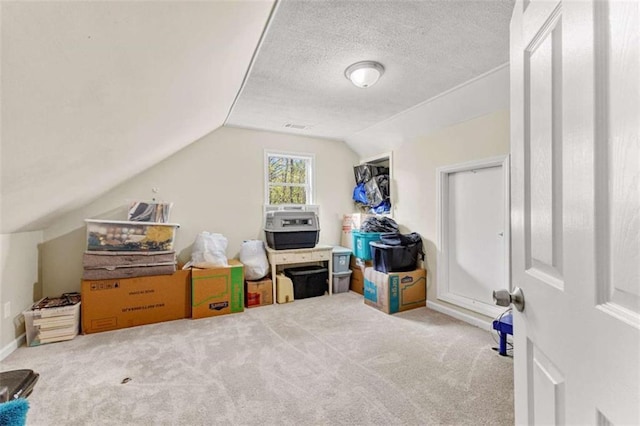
<point x="504" y="298"/>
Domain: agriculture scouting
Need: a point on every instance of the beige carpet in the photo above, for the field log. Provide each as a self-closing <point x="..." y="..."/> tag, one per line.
<point x="324" y="360"/>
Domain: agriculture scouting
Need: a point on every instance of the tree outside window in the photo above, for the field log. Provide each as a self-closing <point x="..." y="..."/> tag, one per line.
<point x="288" y="178"/>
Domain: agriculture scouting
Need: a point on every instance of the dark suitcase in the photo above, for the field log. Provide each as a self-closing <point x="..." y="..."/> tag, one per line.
<point x="18" y="384"/>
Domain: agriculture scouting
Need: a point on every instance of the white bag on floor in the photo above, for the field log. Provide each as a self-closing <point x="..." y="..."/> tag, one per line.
<point x="209" y="251"/>
<point x="254" y="258"/>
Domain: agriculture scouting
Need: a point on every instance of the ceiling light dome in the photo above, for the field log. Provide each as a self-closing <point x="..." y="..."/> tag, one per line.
<point x="364" y="74"/>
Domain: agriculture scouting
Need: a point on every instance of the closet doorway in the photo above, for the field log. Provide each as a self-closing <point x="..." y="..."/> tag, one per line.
<point x="473" y="225"/>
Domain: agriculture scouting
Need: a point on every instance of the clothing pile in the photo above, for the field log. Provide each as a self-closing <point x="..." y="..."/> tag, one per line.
<point x="372" y="188"/>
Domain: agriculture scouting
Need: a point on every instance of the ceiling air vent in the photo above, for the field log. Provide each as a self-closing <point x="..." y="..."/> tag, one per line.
<point x="295" y="126"/>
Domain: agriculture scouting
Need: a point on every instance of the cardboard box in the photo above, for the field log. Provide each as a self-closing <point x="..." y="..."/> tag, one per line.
<point x="356" y="262"/>
<point x="350" y="222"/>
<point x="258" y="293"/>
<point x="357" y="281"/>
<point x="395" y="292"/>
<point x="217" y="291"/>
<point x="357" y="267"/>
<point x="128" y="302"/>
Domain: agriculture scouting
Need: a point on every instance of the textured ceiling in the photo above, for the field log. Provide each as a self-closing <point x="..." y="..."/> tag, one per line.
<point x="95" y="92"/>
<point x="427" y="47"/>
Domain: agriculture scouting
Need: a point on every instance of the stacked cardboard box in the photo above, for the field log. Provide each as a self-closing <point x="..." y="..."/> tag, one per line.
<point x="357" y="267"/>
<point x="120" y="303"/>
<point x="351" y="222"/>
<point x="258" y="293"/>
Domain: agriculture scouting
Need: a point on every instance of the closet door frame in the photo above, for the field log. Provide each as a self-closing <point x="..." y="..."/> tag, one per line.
<point x="443" y="290"/>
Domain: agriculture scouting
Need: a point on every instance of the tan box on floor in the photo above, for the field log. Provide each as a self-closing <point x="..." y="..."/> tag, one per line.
<point x="217" y="291"/>
<point x="128" y="302"/>
<point x="396" y="291"/>
<point x="258" y="293"/>
<point x="357" y="267"/>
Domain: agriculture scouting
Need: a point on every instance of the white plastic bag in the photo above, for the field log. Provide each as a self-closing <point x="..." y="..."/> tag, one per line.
<point x="209" y="251"/>
<point x="254" y="259"/>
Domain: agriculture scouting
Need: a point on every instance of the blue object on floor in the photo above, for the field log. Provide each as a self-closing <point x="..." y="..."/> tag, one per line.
<point x="504" y="326"/>
<point x="14" y="413"/>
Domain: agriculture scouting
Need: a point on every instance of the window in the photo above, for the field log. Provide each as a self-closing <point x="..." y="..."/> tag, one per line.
<point x="288" y="178"/>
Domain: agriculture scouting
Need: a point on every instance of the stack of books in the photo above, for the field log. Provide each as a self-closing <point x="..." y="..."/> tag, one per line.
<point x="53" y="319"/>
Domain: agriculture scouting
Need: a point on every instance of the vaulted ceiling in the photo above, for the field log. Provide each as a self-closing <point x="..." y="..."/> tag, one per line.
<point x="93" y="93"/>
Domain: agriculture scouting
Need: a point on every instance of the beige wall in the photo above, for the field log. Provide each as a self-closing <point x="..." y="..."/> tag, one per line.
<point x="19" y="283"/>
<point x="217" y="185"/>
<point x="415" y="165"/>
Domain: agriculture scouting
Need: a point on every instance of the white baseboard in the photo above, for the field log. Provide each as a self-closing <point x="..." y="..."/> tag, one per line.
<point x="12" y="346"/>
<point x="478" y="322"/>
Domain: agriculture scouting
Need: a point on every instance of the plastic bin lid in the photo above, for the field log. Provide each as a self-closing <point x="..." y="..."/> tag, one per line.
<point x="366" y="234"/>
<point x="378" y="244"/>
<point x="342" y="274"/>
<point x="132" y="223"/>
<point x="341" y="250"/>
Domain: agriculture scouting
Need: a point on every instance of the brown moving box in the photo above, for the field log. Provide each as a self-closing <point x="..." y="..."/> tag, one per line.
<point x="127" y="302"/>
<point x="395" y="291"/>
<point x="258" y="293"/>
<point x="217" y="291"/>
<point x="357" y="275"/>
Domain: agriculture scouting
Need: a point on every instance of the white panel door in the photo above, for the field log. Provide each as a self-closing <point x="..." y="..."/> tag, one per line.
<point x="575" y="137"/>
<point x="476" y="255"/>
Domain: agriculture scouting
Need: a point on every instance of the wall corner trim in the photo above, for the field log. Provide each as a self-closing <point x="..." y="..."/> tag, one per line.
<point x="12" y="346"/>
<point x="478" y="322"/>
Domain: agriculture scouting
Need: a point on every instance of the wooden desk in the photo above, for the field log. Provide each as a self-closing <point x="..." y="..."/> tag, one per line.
<point x="320" y="253"/>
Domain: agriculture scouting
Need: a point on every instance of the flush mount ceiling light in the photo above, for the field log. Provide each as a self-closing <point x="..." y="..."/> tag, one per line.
<point x="364" y="74"/>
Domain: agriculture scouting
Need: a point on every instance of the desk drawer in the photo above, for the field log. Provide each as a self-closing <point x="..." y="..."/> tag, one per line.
<point x="292" y="257"/>
<point x="322" y="255"/>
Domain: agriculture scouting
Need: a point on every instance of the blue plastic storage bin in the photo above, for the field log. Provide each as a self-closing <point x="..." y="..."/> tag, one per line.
<point x="361" y="242"/>
<point x="341" y="258"/>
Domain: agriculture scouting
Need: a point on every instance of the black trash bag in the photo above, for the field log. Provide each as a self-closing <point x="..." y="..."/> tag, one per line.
<point x="379" y="224"/>
<point x="395" y="239"/>
<point x="404" y="240"/>
<point x="362" y="173"/>
<point x="374" y="195"/>
<point x="365" y="172"/>
<point x="383" y="185"/>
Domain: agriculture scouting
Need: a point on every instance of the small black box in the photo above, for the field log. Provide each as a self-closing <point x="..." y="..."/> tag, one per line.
<point x="308" y="281"/>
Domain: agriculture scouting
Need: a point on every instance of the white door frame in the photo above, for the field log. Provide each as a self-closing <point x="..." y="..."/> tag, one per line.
<point x="388" y="156"/>
<point x="443" y="291"/>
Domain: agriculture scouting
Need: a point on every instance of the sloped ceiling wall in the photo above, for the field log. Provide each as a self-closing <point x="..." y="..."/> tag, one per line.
<point x="93" y="93"/>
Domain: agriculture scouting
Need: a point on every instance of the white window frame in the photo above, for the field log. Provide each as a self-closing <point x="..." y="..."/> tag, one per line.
<point x="309" y="185"/>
